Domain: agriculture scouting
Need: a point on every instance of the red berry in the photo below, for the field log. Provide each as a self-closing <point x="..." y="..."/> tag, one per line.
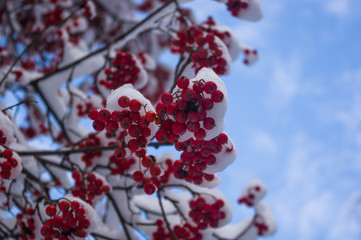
<point x="75" y="175"/>
<point x="124" y="101"/>
<point x="198" y="87"/>
<point x="200" y="134"/>
<point x="51" y="211"/>
<point x="167" y="98"/>
<point x="155" y="171"/>
<point x="7" y="153"/>
<point x="210" y="87"/>
<point x="147" y="161"/>
<point x="150" y="116"/>
<point x="188" y="94"/>
<point x="150" y="188"/>
<point x="64" y="206"/>
<point x="134" y="105"/>
<point x="217" y="96"/>
<point x="75" y="205"/>
<point x="222" y="138"/>
<point x="98" y="125"/>
<point x="111" y="126"/>
<point x="104" y="115"/>
<point x="209" y="123"/>
<point x="133" y="145"/>
<point x="138" y="176"/>
<point x="182" y="82"/>
<point x="119" y="152"/>
<point x="179" y="128"/>
<point x="93" y="115"/>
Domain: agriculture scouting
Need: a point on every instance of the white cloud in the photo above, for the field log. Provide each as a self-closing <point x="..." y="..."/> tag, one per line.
<point x="312" y="198"/>
<point x="284" y="82"/>
<point x="340" y="8"/>
<point x="315" y="214"/>
<point x="343" y="8"/>
<point x="263" y="142"/>
<point x="346" y="224"/>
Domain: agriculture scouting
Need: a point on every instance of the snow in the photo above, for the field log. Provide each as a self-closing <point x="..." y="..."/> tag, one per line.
<point x="264" y="215"/>
<point x="234" y="231"/>
<point x="129" y="91"/>
<point x="15" y="171"/>
<point x="224" y="158"/>
<point x="7" y="126"/>
<point x="253" y="12"/>
<point x="219" y="109"/>
<point x="90" y="213"/>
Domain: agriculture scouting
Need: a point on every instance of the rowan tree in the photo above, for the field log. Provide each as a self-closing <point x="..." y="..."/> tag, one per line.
<point x="86" y="79"/>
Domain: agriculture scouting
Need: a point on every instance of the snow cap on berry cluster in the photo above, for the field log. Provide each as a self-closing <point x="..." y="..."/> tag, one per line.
<point x="211" y="196"/>
<point x="90" y="213"/>
<point x="120" y="71"/>
<point x="230" y="41"/>
<point x="15" y="170"/>
<point x="219" y="109"/>
<point x="6" y="130"/>
<point x="253" y="192"/>
<point x="265" y="218"/>
<point x="90" y="10"/>
<point x="250" y="54"/>
<point x="129" y="91"/>
<point x="251" y="10"/>
<point x="224" y="158"/>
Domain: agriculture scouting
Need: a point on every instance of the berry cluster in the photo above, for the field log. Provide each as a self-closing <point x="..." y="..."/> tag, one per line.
<point x="5" y="56"/>
<point x="236" y="6"/>
<point x="89" y="186"/>
<point x="120" y="165"/>
<point x="186" y="232"/>
<point x="157" y="177"/>
<point x="67" y="221"/>
<point x="28" y="64"/>
<point x="148" y="5"/>
<point x="262" y="228"/>
<point x="2" y="138"/>
<point x="124" y="69"/>
<point x="91" y="141"/>
<point x="133" y="128"/>
<point x="196" y="156"/>
<point x="7" y="162"/>
<point x="186" y="110"/>
<point x="27" y="224"/>
<point x="159" y="77"/>
<point x="89" y="9"/>
<point x="53" y="16"/>
<point x="205" y="214"/>
<point x="251" y="56"/>
<point x="203" y="48"/>
<point x="84" y="108"/>
<point x="250" y="197"/>
<point x="209" y="26"/>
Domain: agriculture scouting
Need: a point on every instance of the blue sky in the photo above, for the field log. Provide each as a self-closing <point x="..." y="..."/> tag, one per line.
<point x="295" y="115"/>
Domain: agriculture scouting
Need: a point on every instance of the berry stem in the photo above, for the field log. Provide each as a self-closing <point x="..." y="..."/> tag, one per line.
<point x="164" y="216"/>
